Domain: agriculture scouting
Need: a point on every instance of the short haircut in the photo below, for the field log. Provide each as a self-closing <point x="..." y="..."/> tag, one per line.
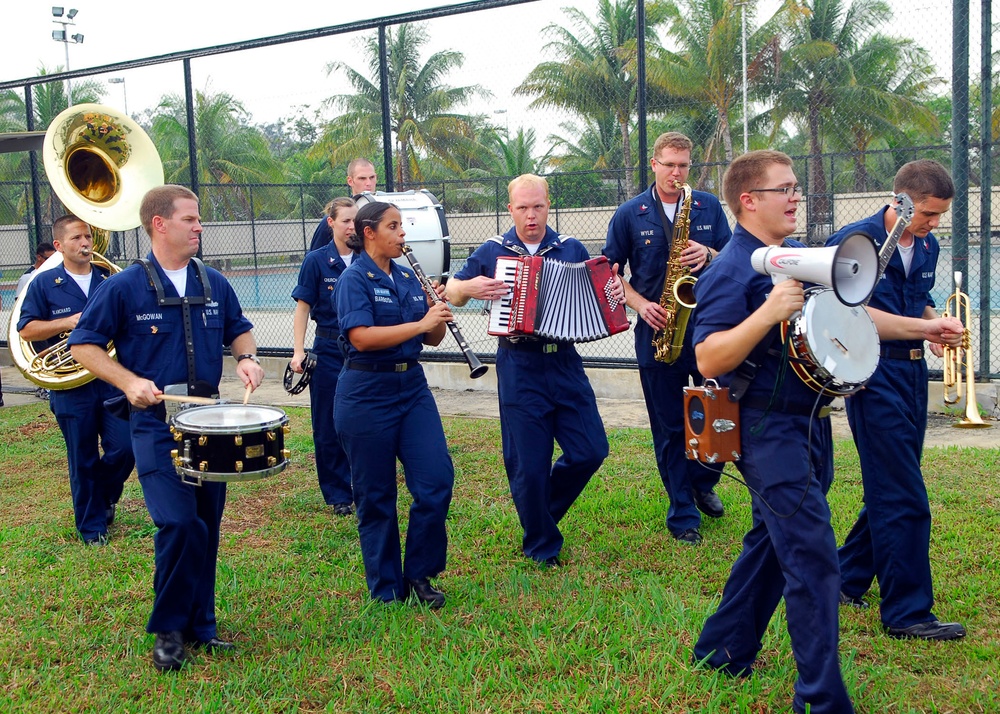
<point x="674" y="140"/>
<point x="358" y="163"/>
<point x="526" y="180"/>
<point x="159" y="201"/>
<point x="59" y="228"/>
<point x="748" y="171"/>
<point x="44" y="247"/>
<point x="923" y="178"/>
<point x="336" y="204"/>
<point x="369" y="215"/>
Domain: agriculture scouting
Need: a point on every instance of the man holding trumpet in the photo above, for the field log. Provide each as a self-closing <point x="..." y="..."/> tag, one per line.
<point x="52" y="306"/>
<point x="891" y="538"/>
<point x="169" y="319"/>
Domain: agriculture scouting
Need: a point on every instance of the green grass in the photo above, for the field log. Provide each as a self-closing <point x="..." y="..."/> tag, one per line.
<point x="610" y="632"/>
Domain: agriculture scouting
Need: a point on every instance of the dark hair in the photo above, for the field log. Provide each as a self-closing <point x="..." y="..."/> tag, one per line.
<point x="369" y="215"/>
<point x="43" y="248"/>
<point x="923" y="178"/>
<point x="59" y="226"/>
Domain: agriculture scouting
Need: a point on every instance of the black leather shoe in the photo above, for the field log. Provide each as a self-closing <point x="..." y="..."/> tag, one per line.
<point x="852" y="601"/>
<point x="709" y="503"/>
<point x="109" y="513"/>
<point x="97" y="540"/>
<point x="932" y="630"/>
<point x="691" y="536"/>
<point x="215" y="646"/>
<point x="343" y="509"/>
<point x="426" y="593"/>
<point x="552" y="562"/>
<point x="168" y="651"/>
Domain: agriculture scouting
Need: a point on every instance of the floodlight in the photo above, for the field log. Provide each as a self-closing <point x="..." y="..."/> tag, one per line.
<point x="72" y="13"/>
<point x="78" y="38"/>
<point x="57" y="11"/>
<point x="59" y="35"/>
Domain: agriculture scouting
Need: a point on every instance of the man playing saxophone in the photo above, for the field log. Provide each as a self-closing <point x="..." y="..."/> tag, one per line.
<point x="642" y="233"/>
<point x="52" y="305"/>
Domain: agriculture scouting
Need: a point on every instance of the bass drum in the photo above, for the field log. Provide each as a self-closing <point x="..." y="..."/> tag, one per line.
<point x="425" y="226"/>
<point x="834" y="348"/>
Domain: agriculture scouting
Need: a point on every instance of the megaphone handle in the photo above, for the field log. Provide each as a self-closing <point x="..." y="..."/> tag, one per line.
<point x="780" y="278"/>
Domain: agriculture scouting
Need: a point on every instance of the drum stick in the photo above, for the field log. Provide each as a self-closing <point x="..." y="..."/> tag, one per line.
<point x="187" y="400"/>
<point x="246" y="394"/>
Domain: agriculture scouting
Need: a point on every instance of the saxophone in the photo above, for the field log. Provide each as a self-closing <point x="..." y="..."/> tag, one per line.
<point x="678" y="286"/>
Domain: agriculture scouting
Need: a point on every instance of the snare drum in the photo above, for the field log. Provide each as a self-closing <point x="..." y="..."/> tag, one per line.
<point x="229" y="442"/>
<point x="835" y="347"/>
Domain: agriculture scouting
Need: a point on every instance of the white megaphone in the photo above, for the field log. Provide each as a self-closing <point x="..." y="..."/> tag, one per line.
<point x="850" y="268"/>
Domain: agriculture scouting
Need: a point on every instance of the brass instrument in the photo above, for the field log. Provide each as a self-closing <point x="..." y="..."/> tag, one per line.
<point x="959" y="359"/>
<point x="678" y="286"/>
<point x="100" y="164"/>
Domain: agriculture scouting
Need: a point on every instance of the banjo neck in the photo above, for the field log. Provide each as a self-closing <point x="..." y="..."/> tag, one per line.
<point x="904" y="213"/>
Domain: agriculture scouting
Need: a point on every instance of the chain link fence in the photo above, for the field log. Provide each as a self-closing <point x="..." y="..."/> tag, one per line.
<point x="534" y="87"/>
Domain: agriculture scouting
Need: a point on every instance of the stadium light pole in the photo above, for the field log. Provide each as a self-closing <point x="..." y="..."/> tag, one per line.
<point x="742" y="4"/>
<point x="64" y="37"/>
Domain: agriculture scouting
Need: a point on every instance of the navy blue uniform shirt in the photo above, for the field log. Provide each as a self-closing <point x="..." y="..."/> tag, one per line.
<point x="318" y="276"/>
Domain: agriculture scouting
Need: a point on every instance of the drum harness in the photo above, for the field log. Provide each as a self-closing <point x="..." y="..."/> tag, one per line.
<point x="195" y="387"/>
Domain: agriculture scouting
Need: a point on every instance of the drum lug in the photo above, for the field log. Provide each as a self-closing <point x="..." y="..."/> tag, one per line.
<point x="177" y="434"/>
<point x="239" y="439"/>
<point x="272" y="435"/>
<point x="286" y="429"/>
<point x="239" y="467"/>
<point x="286" y="454"/>
<point x="271" y="461"/>
<point x="202" y="440"/>
<point x="203" y="466"/>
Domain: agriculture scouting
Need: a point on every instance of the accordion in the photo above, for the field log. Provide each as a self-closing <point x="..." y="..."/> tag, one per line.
<point x="569" y="302"/>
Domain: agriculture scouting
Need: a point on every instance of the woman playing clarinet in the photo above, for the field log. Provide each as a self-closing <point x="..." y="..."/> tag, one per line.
<point x="384" y="411"/>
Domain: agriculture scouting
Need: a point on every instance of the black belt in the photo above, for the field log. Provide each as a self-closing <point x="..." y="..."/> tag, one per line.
<point x="327" y="334"/>
<point x="754" y="401"/>
<point x="901" y="353"/>
<point x="383" y="366"/>
<point x="530" y="345"/>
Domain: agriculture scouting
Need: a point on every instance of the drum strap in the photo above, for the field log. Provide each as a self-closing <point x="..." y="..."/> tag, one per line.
<point x="185" y="302"/>
<point x="747" y="371"/>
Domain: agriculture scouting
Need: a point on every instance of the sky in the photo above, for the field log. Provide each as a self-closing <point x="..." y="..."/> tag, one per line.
<point x="500" y="46"/>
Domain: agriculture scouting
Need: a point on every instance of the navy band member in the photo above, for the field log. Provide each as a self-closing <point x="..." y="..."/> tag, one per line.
<point x="638" y="236"/>
<point x="361" y="177"/>
<point x="545" y="396"/>
<point x="384" y="411"/>
<point x="891" y="538"/>
<point x="150" y="340"/>
<point x="795" y="554"/>
<point x="314" y="298"/>
<point x="52" y="307"/>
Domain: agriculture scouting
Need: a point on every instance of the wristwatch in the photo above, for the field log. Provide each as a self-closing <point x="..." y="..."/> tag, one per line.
<point x="240" y="358"/>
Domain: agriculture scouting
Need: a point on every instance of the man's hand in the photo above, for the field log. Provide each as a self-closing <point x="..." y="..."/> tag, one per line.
<point x="653" y="315"/>
<point x="250" y="373"/>
<point x="296" y="362"/>
<point x="943" y="331"/>
<point x="695" y="256"/>
<point x="482" y="287"/>
<point x="786" y="299"/>
<point x="618" y="287"/>
<point x="142" y="393"/>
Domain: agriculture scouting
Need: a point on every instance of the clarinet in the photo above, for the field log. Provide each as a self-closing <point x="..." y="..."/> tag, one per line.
<point x="476" y="368"/>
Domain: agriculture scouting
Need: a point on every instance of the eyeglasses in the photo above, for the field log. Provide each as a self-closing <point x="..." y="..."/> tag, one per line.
<point x="671" y="167"/>
<point x="796" y="189"/>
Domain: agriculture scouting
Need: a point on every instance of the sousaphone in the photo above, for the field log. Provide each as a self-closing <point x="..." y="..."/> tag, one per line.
<point x="100" y="164"/>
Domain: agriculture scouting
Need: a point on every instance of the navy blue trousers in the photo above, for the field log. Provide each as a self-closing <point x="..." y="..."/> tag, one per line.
<point x="332" y="469"/>
<point x="381" y="417"/>
<point x="794" y="557"/>
<point x="95" y="481"/>
<point x="891" y="538"/>
<point x="544" y="399"/>
<point x="186" y="546"/>
<point x="663" y="389"/>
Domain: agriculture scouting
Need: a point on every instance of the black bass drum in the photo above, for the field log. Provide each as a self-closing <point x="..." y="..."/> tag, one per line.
<point x="425" y="226"/>
<point x="229" y="442"/>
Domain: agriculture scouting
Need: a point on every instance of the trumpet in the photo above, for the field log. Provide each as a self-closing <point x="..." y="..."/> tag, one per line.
<point x="959" y="359"/>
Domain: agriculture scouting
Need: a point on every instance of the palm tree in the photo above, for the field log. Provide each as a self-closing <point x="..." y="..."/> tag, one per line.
<point x="229" y="152"/>
<point x="707" y="69"/>
<point x="595" y="73"/>
<point x="819" y="84"/>
<point x="422" y="108"/>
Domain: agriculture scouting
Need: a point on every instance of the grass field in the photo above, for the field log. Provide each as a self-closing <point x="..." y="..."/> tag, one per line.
<point x="610" y="632"/>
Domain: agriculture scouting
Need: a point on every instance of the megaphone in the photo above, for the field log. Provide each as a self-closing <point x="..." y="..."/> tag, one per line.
<point x="849" y="268"/>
